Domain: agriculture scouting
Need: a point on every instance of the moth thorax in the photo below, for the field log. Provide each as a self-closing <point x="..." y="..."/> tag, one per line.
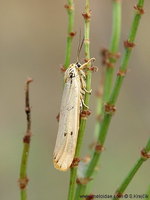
<point x="72" y="72"/>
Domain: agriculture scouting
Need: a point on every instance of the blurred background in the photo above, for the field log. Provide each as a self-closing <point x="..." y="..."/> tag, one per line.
<point x="32" y="43"/>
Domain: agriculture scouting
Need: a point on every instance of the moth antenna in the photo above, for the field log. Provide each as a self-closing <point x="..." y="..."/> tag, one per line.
<point x="80" y="45"/>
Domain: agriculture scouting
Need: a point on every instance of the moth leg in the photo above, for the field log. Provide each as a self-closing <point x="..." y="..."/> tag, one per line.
<point x="88" y="91"/>
<point x="83" y="83"/>
<point x="82" y="92"/>
<point x="84" y="103"/>
<point x="82" y="73"/>
<point x="85" y="64"/>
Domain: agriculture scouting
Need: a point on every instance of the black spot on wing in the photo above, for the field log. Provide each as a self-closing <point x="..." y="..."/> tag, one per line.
<point x="65" y="134"/>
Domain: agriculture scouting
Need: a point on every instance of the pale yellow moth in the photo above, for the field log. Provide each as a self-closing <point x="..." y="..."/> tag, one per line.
<point x="71" y="106"/>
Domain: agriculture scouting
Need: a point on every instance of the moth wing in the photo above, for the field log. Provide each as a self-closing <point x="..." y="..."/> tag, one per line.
<point x="68" y="125"/>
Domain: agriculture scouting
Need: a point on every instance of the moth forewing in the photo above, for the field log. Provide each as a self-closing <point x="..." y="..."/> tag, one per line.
<point x="72" y="101"/>
<point x="69" y="121"/>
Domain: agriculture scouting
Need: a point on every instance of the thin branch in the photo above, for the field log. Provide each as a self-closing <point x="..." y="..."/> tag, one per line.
<point x="148" y="194"/>
<point x="23" y="179"/>
<point x="70" y="34"/>
<point x="73" y="171"/>
<point x="110" y="106"/>
<point x="144" y="156"/>
<point x="111" y="55"/>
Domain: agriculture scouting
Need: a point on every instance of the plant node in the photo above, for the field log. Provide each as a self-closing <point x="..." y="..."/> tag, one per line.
<point x="128" y="44"/>
<point x="75" y="162"/>
<point x="87" y="15"/>
<point x="68" y="7"/>
<point x="23" y="182"/>
<point x="99" y="148"/>
<point x="83" y="181"/>
<point x="85" y="113"/>
<point x="90" y="197"/>
<point x="121" y="73"/>
<point x="145" y="154"/>
<point x="139" y="10"/>
<point x="27" y="138"/>
<point x="72" y="34"/>
<point x="110" y="108"/>
<point x="118" y="195"/>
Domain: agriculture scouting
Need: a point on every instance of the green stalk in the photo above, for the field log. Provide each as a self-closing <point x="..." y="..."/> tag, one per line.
<point x="115" y="38"/>
<point x="113" y="98"/>
<point x="70" y="10"/>
<point x="108" y="74"/>
<point x="148" y="193"/>
<point x="132" y="172"/>
<point x="23" y="179"/>
<point x="73" y="171"/>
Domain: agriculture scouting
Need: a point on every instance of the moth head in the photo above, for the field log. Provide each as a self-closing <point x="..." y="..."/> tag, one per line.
<point x="78" y="65"/>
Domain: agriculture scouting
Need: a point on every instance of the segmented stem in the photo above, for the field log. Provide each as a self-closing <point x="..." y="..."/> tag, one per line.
<point x="23" y="180"/>
<point x="113" y="50"/>
<point x="73" y="171"/>
<point x="144" y="156"/>
<point x="109" y="107"/>
<point x="70" y="33"/>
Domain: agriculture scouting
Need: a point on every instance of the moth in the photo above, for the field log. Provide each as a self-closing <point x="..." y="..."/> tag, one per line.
<point x="71" y="106"/>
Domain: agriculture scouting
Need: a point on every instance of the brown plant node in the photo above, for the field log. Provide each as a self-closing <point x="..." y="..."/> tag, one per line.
<point x="128" y="44"/>
<point x="145" y="154"/>
<point x="75" y="162"/>
<point x="87" y="15"/>
<point x="118" y="195"/>
<point x="121" y="73"/>
<point x="110" y="108"/>
<point x="139" y="10"/>
<point x="27" y="138"/>
<point x="107" y="55"/>
<point x="109" y="64"/>
<point x="68" y="7"/>
<point x="62" y="69"/>
<point x="93" y="69"/>
<point x="23" y="182"/>
<point x="85" y="113"/>
<point x="90" y="197"/>
<point x="83" y="181"/>
<point x="99" y="148"/>
<point x="72" y="34"/>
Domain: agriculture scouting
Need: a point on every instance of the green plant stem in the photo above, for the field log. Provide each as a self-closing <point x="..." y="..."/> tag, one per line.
<point x="23" y="179"/>
<point x="112" y="100"/>
<point x="148" y="193"/>
<point x="73" y="171"/>
<point x="70" y="10"/>
<point x="132" y="172"/>
<point x="115" y="38"/>
<point x="108" y="73"/>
